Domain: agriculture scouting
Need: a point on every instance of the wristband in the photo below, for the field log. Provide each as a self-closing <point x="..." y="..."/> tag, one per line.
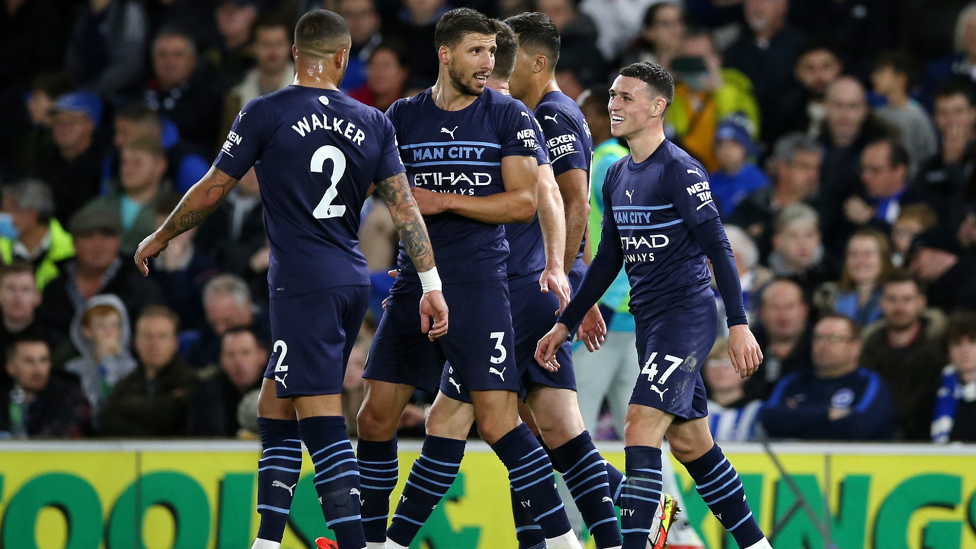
<point x="430" y="281"/>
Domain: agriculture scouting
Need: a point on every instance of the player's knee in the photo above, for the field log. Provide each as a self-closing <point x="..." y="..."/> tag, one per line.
<point x="374" y="424"/>
<point x="272" y="407"/>
<point x="491" y="428"/>
<point x="558" y="429"/>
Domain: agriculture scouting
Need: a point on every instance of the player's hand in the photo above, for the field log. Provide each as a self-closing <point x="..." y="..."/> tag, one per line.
<point x="429" y="202"/>
<point x="593" y="330"/>
<point x="545" y="352"/>
<point x="744" y="351"/>
<point x="149" y="247"/>
<point x="555" y="281"/>
<point x="433" y="305"/>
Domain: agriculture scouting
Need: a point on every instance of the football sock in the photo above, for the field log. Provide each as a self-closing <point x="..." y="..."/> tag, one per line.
<point x="640" y="495"/>
<point x="336" y="477"/>
<point x="530" y="472"/>
<point x="528" y="533"/>
<point x="616" y="480"/>
<point x="430" y="478"/>
<point x="586" y="477"/>
<point x="379" y="470"/>
<point x="278" y="471"/>
<point x="719" y="486"/>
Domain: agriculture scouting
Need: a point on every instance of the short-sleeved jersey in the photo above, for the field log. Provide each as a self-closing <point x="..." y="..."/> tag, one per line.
<point x="316" y="152"/>
<point x="461" y="152"/>
<point x="654" y="206"/>
<point x="568" y="137"/>
<point x="527" y="254"/>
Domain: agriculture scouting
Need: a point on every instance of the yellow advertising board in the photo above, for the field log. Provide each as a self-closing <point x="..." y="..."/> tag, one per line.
<point x="202" y="495"/>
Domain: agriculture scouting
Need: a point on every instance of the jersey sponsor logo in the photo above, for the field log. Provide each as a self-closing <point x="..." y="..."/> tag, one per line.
<point x="233" y="138"/>
<point x="562" y="145"/>
<point x="651" y="241"/>
<point x="449" y="132"/>
<point x="321" y="121"/>
<point x="702" y="190"/>
<point x="528" y="138"/>
<point x="842" y="398"/>
<point x="452" y="179"/>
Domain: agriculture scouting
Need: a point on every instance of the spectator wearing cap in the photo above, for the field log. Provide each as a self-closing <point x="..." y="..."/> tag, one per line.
<point x="766" y="52"/>
<point x="892" y="78"/>
<point x="73" y="166"/>
<point x="937" y="261"/>
<point x="141" y="171"/>
<point x="184" y="90"/>
<point x="837" y="400"/>
<point x="386" y="77"/>
<point x="96" y="269"/>
<point x="40" y="241"/>
<point x="364" y="29"/>
<point x="737" y="176"/>
<point x="185" y="165"/>
<point x="102" y="52"/>
<point x="905" y="348"/>
<point x="817" y="67"/>
<point x="274" y="70"/>
<point x="955" y="398"/>
<point x="704" y="96"/>
<point x="795" y="168"/>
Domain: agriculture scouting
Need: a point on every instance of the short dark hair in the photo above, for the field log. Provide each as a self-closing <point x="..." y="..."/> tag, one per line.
<point x="54" y="84"/>
<point x="651" y="13"/>
<point x="537" y="33"/>
<point x="897" y="153"/>
<point x="273" y="22"/>
<point x="452" y="27"/>
<point x="597" y="96"/>
<point x="238" y="330"/>
<point x="855" y="327"/>
<point x="899" y="61"/>
<point x="961" y="325"/>
<point x="819" y="43"/>
<point x="507" y="45"/>
<point x="321" y="32"/>
<point x="29" y="336"/>
<point x="177" y="31"/>
<point x="161" y="311"/>
<point x="17" y="266"/>
<point x="654" y="75"/>
<point x="137" y="112"/>
<point x="393" y="47"/>
<point x="955" y="87"/>
<point x="901" y="276"/>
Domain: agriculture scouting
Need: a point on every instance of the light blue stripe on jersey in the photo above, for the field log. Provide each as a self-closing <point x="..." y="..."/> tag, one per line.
<point x="450" y="163"/>
<point x="642" y="208"/>
<point x="451" y="143"/>
<point x="658" y="226"/>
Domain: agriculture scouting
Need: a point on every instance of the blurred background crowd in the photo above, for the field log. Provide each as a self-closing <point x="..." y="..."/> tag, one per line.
<point x="840" y="137"/>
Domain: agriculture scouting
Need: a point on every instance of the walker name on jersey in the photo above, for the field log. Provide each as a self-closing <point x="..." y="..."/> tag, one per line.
<point x="454" y="152"/>
<point x="321" y="121"/>
<point x="561" y="145"/>
<point x="701" y="190"/>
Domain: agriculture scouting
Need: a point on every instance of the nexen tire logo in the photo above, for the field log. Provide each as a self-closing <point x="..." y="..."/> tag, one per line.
<point x="653" y="241"/>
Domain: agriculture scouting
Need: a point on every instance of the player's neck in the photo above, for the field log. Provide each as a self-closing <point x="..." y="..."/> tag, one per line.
<point x="539" y="90"/>
<point x="449" y="98"/>
<point x="499" y="85"/>
<point x="643" y="144"/>
<point x="313" y="73"/>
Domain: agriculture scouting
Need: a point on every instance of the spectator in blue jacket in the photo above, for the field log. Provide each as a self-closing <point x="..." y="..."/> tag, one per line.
<point x="838" y="400"/>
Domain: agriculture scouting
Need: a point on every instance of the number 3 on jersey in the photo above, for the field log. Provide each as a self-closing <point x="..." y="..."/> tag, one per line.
<point x="326" y="209"/>
<point x="650" y="368"/>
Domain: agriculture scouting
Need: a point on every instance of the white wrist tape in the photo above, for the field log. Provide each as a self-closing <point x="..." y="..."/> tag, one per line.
<point x="430" y="280"/>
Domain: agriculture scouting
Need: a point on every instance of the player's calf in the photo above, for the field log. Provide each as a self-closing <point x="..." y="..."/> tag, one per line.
<point x="278" y="471"/>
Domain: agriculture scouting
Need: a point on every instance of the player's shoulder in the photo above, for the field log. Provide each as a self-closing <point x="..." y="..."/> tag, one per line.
<point x="682" y="164"/>
<point x="498" y="102"/>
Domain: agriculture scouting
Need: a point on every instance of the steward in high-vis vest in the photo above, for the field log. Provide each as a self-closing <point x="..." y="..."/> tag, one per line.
<point x="40" y="239"/>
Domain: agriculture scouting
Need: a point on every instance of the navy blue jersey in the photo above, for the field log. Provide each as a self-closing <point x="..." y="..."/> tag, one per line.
<point x="460" y="152"/>
<point x="527" y="254"/>
<point x="651" y="209"/>
<point x="568" y="136"/>
<point x="316" y="152"/>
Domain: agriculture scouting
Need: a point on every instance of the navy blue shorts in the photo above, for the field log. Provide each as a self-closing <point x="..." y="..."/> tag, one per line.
<point x="479" y="340"/>
<point x="672" y="348"/>
<point x="533" y="315"/>
<point x="313" y="336"/>
<point x="575" y="275"/>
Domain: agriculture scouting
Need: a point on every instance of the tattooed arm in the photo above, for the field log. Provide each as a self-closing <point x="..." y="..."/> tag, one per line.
<point x="395" y="191"/>
<point x="200" y="201"/>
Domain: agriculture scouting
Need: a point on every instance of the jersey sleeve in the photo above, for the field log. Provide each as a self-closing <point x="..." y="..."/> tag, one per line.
<point x="516" y="131"/>
<point x="691" y="193"/>
<point x="389" y="161"/>
<point x="564" y="139"/>
<point x="246" y="139"/>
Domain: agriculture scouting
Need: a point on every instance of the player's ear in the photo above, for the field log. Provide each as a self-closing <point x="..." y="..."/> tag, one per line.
<point x="541" y="64"/>
<point x="341" y="57"/>
<point x="659" y="106"/>
<point x="444" y="55"/>
<point x="294" y="52"/>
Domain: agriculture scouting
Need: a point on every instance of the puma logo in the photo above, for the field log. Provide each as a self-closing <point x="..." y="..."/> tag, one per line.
<point x="279" y="484"/>
<point x="354" y="492"/>
<point x="281" y="380"/>
<point x="630" y="195"/>
<point x="449" y="132"/>
<point x="527" y="503"/>
<point x="455" y="384"/>
<point x="695" y="171"/>
<point x="240" y="115"/>
<point x="553" y="118"/>
<point x="403" y="499"/>
<point x="607" y="499"/>
<point x="659" y="392"/>
<point x="525" y="114"/>
<point x="719" y="516"/>
<point x="500" y="374"/>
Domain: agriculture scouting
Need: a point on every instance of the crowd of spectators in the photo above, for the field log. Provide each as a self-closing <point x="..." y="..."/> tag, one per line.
<point x="840" y="136"/>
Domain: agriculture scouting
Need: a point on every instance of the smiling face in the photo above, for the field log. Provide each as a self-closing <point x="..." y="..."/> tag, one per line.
<point x="470" y="62"/>
<point x="863" y="259"/>
<point x="633" y="106"/>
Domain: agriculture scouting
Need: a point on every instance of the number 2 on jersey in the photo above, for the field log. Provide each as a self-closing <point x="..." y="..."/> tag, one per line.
<point x="650" y="368"/>
<point x="326" y="209"/>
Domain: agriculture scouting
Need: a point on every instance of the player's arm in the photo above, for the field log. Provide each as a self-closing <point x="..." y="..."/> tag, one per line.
<point x="395" y="191"/>
<point x="516" y="204"/>
<point x="552" y="224"/>
<point x="574" y="188"/>
<point x="203" y="199"/>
